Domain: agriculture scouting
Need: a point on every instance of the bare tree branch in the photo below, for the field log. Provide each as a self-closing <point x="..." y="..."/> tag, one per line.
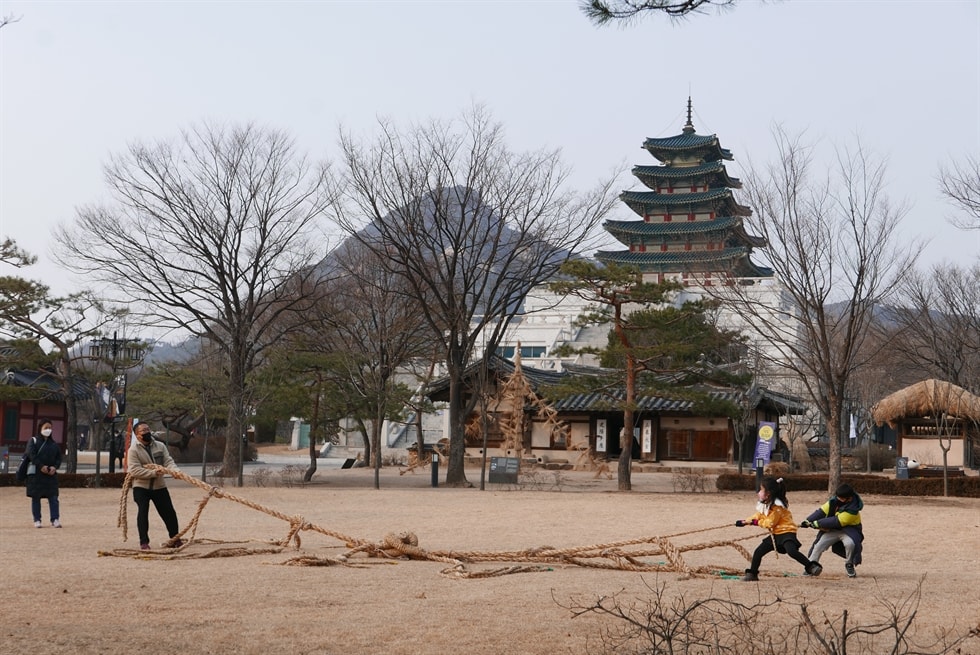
<point x="939" y="321"/>
<point x="833" y="246"/>
<point x="603" y="12"/>
<point x="470" y="226"/>
<point x="212" y="235"/>
<point x="960" y="183"/>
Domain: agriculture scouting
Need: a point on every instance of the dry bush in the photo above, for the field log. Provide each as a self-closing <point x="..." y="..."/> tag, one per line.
<point x="663" y="624"/>
<point x="393" y="459"/>
<point x="776" y="469"/>
<point x="292" y="475"/>
<point x="689" y="480"/>
<point x="540" y="480"/>
<point x="261" y="477"/>
<point x="882" y="457"/>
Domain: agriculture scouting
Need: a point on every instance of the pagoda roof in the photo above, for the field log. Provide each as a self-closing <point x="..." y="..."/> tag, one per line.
<point x="643" y="228"/>
<point x="733" y="259"/>
<point x="639" y="201"/>
<point x="713" y="169"/>
<point x="688" y="144"/>
<point x="624" y="230"/>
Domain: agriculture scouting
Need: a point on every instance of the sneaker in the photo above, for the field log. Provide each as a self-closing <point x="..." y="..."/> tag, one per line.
<point x="814" y="569"/>
<point x="176" y="543"/>
<point x="851" y="573"/>
<point x="37" y="524"/>
<point x="144" y="546"/>
<point x="750" y="577"/>
<point x="56" y="523"/>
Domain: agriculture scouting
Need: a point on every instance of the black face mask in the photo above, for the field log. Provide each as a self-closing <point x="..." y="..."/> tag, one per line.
<point x="145" y="439"/>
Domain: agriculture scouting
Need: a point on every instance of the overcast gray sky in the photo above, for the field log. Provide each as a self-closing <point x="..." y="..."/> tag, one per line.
<point x="80" y="80"/>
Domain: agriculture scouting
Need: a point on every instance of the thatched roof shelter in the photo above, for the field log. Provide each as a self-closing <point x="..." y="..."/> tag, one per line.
<point x="927" y="398"/>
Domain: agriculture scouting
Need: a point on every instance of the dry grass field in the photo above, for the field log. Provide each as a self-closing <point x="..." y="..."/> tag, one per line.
<point x="82" y="589"/>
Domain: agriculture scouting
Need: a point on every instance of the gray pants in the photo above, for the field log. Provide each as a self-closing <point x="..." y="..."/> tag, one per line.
<point x="828" y="539"/>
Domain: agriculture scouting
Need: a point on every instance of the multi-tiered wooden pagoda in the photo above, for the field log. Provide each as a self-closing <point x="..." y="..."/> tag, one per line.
<point x="691" y="226"/>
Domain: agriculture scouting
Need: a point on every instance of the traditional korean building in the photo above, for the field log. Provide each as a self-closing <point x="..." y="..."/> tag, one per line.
<point x="690" y="225"/>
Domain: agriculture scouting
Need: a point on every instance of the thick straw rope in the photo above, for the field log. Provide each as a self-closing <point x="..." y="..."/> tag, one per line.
<point x="624" y="555"/>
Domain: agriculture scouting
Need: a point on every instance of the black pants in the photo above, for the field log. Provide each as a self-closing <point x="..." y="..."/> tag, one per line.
<point x="165" y="508"/>
<point x="785" y="543"/>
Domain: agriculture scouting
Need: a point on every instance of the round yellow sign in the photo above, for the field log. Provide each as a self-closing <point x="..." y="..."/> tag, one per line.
<point x="766" y="432"/>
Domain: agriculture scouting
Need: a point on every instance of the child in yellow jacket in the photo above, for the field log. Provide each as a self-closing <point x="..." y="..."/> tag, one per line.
<point x="772" y="513"/>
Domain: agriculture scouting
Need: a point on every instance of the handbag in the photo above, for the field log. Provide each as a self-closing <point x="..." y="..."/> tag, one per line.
<point x="24" y="469"/>
<point x="26" y="466"/>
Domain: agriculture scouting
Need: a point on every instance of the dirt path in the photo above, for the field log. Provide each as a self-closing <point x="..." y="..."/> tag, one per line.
<point x="59" y="596"/>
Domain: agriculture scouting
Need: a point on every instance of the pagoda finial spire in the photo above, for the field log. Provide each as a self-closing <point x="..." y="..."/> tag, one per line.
<point x="689" y="126"/>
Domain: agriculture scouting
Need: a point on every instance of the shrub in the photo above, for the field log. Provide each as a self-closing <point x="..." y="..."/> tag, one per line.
<point x="72" y="480"/>
<point x="882" y="457"/>
<point x="689" y="480"/>
<point x="194" y="453"/>
<point x="661" y="623"/>
<point x="963" y="487"/>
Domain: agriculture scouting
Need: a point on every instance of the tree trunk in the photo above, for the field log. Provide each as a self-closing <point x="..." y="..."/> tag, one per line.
<point x="455" y="471"/>
<point x="625" y="470"/>
<point x="376" y="430"/>
<point x="232" y="462"/>
<point x="314" y="424"/>
<point x="834" y="434"/>
<point x="71" y="434"/>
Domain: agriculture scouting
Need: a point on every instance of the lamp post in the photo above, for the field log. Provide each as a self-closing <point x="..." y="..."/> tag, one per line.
<point x="109" y="349"/>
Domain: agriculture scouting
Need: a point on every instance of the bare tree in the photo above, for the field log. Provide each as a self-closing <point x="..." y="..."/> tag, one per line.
<point x="960" y="183"/>
<point x="939" y="324"/>
<point x="834" y="251"/>
<point x="470" y="227"/>
<point x="370" y="321"/>
<point x="602" y="12"/>
<point x="211" y="234"/>
<point x="28" y="310"/>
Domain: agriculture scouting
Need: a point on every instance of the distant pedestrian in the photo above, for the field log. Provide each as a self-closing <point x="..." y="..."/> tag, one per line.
<point x="772" y="513"/>
<point x="149" y="485"/>
<point x="117" y="451"/>
<point x="42" y="474"/>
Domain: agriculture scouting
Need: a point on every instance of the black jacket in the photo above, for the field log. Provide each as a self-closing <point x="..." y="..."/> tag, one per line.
<point x="43" y="452"/>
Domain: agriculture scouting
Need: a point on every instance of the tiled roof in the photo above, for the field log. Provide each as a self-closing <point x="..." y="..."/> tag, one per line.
<point x="642" y="228"/>
<point x="688" y="142"/>
<point x="46" y="383"/>
<point x="733" y="260"/>
<point x="678" y="258"/>
<point x="585" y="402"/>
<point x="666" y="199"/>
<point x="611" y="401"/>
<point x="503" y="368"/>
<point x="710" y="169"/>
<point x="720" y="200"/>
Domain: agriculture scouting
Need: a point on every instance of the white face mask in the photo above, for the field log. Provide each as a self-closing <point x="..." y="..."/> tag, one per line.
<point x="46" y="432"/>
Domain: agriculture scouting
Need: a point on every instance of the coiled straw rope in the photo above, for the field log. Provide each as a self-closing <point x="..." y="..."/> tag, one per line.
<point x="627" y="555"/>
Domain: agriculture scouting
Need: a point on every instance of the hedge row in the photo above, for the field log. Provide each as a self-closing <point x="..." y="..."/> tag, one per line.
<point x="72" y="480"/>
<point x="963" y="487"/>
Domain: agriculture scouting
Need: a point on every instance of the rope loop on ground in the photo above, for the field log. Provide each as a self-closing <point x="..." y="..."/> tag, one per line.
<point x="625" y="555"/>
